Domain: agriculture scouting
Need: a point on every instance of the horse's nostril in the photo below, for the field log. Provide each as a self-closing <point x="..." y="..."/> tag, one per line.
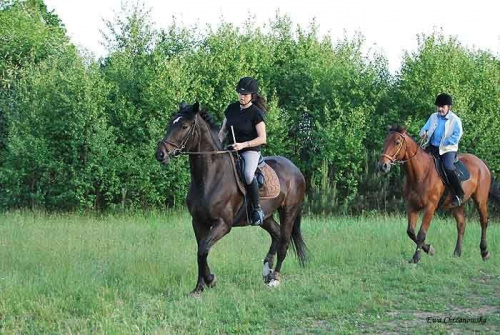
<point x="384" y="167"/>
<point x="160" y="156"/>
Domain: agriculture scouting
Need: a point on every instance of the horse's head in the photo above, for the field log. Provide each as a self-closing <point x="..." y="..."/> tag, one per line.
<point x="395" y="147"/>
<point x="179" y="133"/>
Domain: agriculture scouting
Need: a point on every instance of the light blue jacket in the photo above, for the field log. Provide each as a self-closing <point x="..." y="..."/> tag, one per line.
<point x="452" y="132"/>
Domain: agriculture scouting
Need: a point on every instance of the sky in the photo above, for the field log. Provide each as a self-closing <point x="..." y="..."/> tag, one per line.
<point x="390" y="27"/>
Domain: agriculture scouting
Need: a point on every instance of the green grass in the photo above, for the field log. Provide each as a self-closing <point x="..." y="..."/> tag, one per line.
<point x="129" y="274"/>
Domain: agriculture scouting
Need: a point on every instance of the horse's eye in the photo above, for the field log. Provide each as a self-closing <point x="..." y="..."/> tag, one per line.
<point x="398" y="142"/>
<point x="185" y="126"/>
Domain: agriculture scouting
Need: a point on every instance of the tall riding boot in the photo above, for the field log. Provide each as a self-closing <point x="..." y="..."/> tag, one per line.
<point x="257" y="215"/>
<point x="457" y="187"/>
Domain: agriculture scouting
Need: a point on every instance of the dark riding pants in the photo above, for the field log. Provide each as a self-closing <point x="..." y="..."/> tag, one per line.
<point x="448" y="159"/>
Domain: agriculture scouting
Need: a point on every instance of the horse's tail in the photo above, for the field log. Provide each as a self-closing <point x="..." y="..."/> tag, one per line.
<point x="298" y="244"/>
<point x="495" y="190"/>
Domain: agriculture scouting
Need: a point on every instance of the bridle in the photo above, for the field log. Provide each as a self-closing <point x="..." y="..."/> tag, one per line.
<point x="180" y="147"/>
<point x="392" y="158"/>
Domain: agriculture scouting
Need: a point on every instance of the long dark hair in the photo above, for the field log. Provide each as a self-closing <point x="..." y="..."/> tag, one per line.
<point x="259" y="101"/>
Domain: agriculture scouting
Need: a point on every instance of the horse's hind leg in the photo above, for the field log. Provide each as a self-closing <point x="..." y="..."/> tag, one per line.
<point x="272" y="227"/>
<point x="287" y="219"/>
<point x="481" y="205"/>
<point x="459" y="214"/>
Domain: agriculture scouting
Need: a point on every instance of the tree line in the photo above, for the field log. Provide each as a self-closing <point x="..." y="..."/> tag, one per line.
<point x="78" y="133"/>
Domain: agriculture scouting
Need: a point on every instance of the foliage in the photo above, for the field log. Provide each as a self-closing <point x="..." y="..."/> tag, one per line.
<point x="59" y="145"/>
<point x="76" y="133"/>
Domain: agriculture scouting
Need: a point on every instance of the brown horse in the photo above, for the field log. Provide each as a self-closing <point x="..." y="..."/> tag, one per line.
<point x="215" y="202"/>
<point x="424" y="188"/>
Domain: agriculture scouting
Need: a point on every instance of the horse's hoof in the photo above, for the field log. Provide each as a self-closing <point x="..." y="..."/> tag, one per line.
<point x="267" y="272"/>
<point x="275" y="279"/>
<point x="431" y="250"/>
<point x="414" y="260"/>
<point x="195" y="294"/>
<point x="273" y="283"/>
<point x="486" y="256"/>
<point x="457" y="254"/>
<point x="213" y="283"/>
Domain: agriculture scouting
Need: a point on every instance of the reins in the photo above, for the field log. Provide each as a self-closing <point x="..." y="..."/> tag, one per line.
<point x="180" y="147"/>
<point x="179" y="151"/>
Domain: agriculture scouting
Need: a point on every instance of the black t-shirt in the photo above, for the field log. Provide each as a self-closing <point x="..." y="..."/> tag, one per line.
<point x="243" y="122"/>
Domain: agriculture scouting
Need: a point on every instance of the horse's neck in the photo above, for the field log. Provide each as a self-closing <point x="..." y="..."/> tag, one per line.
<point x="207" y="169"/>
<point x="418" y="164"/>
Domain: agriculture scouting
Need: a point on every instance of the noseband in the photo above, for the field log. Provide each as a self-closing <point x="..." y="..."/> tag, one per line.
<point x="392" y="158"/>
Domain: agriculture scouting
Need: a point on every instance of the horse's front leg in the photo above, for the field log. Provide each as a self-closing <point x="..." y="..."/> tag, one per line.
<point x="426" y="221"/>
<point x="412" y="223"/>
<point x="206" y="239"/>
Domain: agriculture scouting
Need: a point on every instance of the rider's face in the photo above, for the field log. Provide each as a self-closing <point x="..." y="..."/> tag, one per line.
<point x="244" y="98"/>
<point x="443" y="110"/>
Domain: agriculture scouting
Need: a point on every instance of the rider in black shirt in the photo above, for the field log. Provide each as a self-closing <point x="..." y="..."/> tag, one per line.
<point x="246" y="117"/>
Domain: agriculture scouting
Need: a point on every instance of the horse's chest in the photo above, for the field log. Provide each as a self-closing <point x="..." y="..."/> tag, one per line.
<point x="420" y="197"/>
<point x="206" y="204"/>
<point x="199" y="204"/>
<point x="415" y="197"/>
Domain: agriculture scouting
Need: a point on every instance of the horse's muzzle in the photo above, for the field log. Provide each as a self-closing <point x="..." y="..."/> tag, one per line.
<point x="384" y="167"/>
<point x="162" y="157"/>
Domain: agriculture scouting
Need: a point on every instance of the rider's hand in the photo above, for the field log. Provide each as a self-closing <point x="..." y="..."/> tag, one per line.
<point x="423" y="135"/>
<point x="239" y="146"/>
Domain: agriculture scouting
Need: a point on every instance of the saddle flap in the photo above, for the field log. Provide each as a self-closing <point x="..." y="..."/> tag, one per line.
<point x="462" y="171"/>
<point x="269" y="186"/>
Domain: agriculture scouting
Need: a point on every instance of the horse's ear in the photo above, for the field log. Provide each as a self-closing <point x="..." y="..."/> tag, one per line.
<point x="196" y="107"/>
<point x="403" y="129"/>
<point x="389" y="127"/>
<point x="182" y="104"/>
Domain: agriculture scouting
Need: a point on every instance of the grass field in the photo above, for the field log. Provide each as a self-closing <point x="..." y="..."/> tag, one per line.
<point x="130" y="274"/>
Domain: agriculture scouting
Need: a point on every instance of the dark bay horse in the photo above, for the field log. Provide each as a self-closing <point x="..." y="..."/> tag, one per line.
<point x="424" y="188"/>
<point x="215" y="202"/>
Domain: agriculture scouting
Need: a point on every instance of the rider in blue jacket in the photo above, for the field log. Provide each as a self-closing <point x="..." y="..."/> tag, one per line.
<point x="442" y="132"/>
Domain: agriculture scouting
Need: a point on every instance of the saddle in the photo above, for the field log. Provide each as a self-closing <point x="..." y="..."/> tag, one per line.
<point x="462" y="171"/>
<point x="269" y="184"/>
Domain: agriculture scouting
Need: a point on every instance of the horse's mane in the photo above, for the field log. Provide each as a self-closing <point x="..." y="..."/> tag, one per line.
<point x="189" y="114"/>
<point x="398" y="128"/>
<point x="209" y="119"/>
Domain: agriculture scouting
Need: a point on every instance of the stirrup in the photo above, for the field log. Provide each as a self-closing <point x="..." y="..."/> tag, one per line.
<point x="457" y="202"/>
<point x="257" y="217"/>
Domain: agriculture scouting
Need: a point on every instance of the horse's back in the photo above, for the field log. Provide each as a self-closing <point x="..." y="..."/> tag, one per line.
<point x="283" y="165"/>
<point x="477" y="167"/>
<point x="291" y="178"/>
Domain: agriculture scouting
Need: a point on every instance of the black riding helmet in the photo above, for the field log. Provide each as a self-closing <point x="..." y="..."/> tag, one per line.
<point x="443" y="99"/>
<point x="247" y="85"/>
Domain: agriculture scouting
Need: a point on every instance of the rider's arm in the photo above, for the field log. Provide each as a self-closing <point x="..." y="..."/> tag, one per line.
<point x="223" y="131"/>
<point x="261" y="136"/>
<point x="425" y="128"/>
<point x="456" y="135"/>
